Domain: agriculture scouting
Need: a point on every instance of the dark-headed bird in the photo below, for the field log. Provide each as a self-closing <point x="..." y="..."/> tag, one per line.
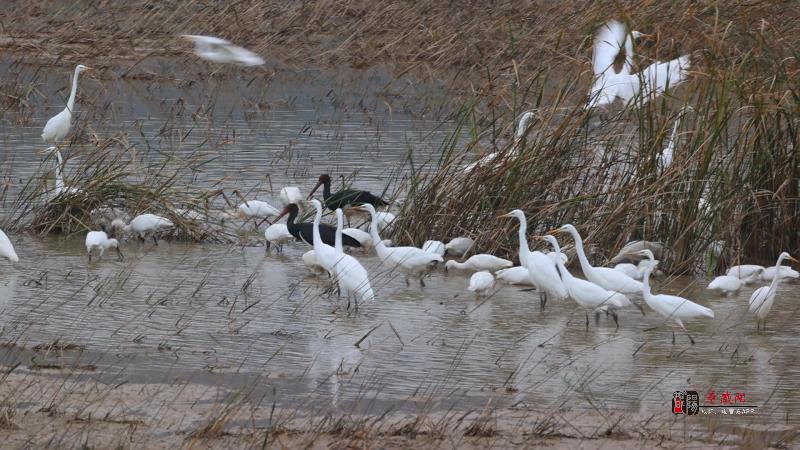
<point x="304" y="231"/>
<point x="345" y="197"/>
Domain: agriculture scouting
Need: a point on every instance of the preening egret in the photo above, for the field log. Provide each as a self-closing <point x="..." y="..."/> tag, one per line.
<point x="410" y="260"/>
<point x="99" y="240"/>
<point x="726" y="284"/>
<point x="350" y="274"/>
<point x="786" y="272"/>
<point x="762" y="299"/>
<point x="304" y="231"/>
<point x="57" y="128"/>
<point x="522" y="129"/>
<point x="481" y="282"/>
<point x="605" y="277"/>
<point x="435" y="247"/>
<point x="480" y="262"/>
<point x="361" y="236"/>
<point x="291" y="194"/>
<point x="674" y="308"/>
<point x="458" y="246"/>
<point x="145" y="225"/>
<point x="646" y="85"/>
<point x="515" y="275"/>
<point x="541" y="268"/>
<point x="278" y="234"/>
<point x="749" y="273"/>
<point x="61" y="188"/>
<point x="346" y="197"/>
<point x="7" y="249"/>
<point x="588" y="295"/>
<point x="221" y="51"/>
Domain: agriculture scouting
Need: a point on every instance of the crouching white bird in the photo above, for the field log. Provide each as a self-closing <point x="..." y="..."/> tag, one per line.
<point x="435" y="247"/>
<point x="7" y="249"/>
<point x="480" y="283"/>
<point x="145" y="225"/>
<point x="785" y="272"/>
<point x="515" y="275"/>
<point x="255" y="209"/>
<point x="221" y="51"/>
<point x="98" y="240"/>
<point x="459" y="246"/>
<point x="278" y="234"/>
<point x="57" y="128"/>
<point x="411" y="261"/>
<point x="763" y="297"/>
<point x="480" y="262"/>
<point x="585" y="293"/>
<point x="726" y="284"/>
<point x="674" y="308"/>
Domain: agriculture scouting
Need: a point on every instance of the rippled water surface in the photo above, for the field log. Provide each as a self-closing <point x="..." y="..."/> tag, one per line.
<point x="228" y="315"/>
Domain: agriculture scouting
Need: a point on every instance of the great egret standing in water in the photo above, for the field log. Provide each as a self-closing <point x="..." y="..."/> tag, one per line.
<point x="763" y="297"/>
<point x="221" y="51"/>
<point x="57" y="128"/>
<point x="7" y="249"/>
<point x="674" y="308"/>
<point x="350" y="274"/>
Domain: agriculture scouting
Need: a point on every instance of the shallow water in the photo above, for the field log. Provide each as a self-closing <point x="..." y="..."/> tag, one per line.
<point x="236" y="316"/>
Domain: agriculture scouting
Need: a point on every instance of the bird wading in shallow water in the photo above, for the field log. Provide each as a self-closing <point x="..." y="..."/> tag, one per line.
<point x="221" y="51"/>
<point x="762" y="299"/>
<point x="304" y="231"/>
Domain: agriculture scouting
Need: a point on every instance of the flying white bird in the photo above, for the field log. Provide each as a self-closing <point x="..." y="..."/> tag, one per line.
<point x="57" y="128"/>
<point x="763" y="297"/>
<point x="98" y="240"/>
<point x="674" y="308"/>
<point x="480" y="283"/>
<point x="7" y="249"/>
<point x="646" y="85"/>
<point x="221" y="51"/>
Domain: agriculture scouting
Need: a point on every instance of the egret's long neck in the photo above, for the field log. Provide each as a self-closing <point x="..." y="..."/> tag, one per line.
<point x="339" y="226"/>
<point x="776" y="279"/>
<point x="585" y="266"/>
<point x="524" y="249"/>
<point x="71" y="101"/>
<point x="646" y="282"/>
<point x="565" y="275"/>
<point x="316" y="237"/>
<point x="373" y="228"/>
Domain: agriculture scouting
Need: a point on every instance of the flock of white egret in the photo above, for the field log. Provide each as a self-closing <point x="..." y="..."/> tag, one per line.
<point x="604" y="289"/>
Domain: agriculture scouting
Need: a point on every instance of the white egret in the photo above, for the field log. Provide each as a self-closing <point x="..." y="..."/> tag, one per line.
<point x="762" y="299"/>
<point x="664" y="158"/>
<point x="255" y="209"/>
<point x="606" y="277"/>
<point x="350" y="274"/>
<point x="541" y="268"/>
<point x="61" y="188"/>
<point x="361" y="236"/>
<point x="99" y="240"/>
<point x="7" y="249"/>
<point x="145" y="225"/>
<point x="726" y="284"/>
<point x="278" y="234"/>
<point x="385" y="219"/>
<point x="628" y="269"/>
<point x="57" y="128"/>
<point x="410" y="260"/>
<point x="480" y="283"/>
<point x="459" y="246"/>
<point x="749" y="273"/>
<point x="786" y="272"/>
<point x="515" y="275"/>
<point x="479" y="262"/>
<point x="435" y="247"/>
<point x="677" y="309"/>
<point x="221" y="51"/>
<point x="522" y="129"/>
<point x="310" y="260"/>
<point x="646" y="85"/>
<point x="588" y="295"/>
<point x="324" y="253"/>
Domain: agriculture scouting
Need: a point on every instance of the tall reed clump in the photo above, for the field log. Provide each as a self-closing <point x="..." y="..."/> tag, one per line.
<point x="105" y="177"/>
<point x="729" y="195"/>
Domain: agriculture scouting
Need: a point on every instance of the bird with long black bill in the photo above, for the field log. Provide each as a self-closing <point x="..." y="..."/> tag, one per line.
<point x="304" y="231"/>
<point x="345" y="197"/>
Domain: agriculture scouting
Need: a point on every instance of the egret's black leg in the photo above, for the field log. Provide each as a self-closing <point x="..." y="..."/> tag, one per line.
<point x="587" y="320"/>
<point x="673" y="337"/>
<point x="597" y="316"/>
<point x="155" y="241"/>
<point x="690" y="337"/>
<point x="615" y="317"/>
